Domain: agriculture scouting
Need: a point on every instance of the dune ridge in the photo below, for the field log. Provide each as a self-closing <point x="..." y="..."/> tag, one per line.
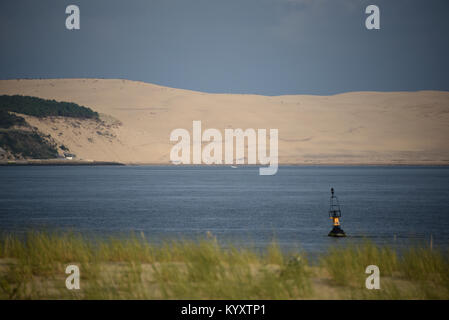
<point x="348" y="128"/>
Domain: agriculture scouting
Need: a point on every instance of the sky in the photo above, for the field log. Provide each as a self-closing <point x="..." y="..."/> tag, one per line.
<point x="269" y="47"/>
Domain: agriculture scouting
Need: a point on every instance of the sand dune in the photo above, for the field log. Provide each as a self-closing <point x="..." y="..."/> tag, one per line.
<point x="349" y="128"/>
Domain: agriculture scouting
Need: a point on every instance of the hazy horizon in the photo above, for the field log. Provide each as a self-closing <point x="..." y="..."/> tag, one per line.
<point x="234" y="93"/>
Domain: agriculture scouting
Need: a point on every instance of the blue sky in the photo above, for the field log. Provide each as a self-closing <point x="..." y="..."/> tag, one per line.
<point x="268" y="47"/>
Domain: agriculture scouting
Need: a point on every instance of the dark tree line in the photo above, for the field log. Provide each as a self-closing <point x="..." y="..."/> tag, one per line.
<point x="37" y="107"/>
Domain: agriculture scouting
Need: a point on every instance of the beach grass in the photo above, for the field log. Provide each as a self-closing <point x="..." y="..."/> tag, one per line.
<point x="33" y="267"/>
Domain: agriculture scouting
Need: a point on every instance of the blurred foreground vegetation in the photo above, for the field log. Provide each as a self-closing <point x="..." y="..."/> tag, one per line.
<point x="33" y="267"/>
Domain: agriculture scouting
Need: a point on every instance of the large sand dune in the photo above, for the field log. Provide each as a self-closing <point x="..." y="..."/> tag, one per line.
<point x="350" y="128"/>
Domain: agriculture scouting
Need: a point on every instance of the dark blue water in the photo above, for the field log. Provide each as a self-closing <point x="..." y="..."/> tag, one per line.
<point x="389" y="205"/>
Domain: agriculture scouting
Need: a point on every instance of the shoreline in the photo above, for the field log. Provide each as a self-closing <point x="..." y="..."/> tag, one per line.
<point x="59" y="163"/>
<point x="327" y="164"/>
<point x="56" y="162"/>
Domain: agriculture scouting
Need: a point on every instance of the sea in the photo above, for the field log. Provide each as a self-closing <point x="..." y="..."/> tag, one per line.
<point x="398" y="206"/>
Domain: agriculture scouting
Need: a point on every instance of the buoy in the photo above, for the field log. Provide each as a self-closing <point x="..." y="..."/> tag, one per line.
<point x="335" y="215"/>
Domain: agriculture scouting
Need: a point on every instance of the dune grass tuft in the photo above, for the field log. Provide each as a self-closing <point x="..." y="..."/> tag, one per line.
<point x="33" y="267"/>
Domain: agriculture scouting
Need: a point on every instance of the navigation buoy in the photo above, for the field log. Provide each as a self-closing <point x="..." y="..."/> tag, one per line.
<point x="335" y="214"/>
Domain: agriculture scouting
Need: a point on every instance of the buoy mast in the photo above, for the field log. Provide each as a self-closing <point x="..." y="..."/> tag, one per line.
<point x="335" y="214"/>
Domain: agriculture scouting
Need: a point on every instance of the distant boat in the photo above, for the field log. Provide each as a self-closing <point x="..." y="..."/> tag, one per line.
<point x="234" y="167"/>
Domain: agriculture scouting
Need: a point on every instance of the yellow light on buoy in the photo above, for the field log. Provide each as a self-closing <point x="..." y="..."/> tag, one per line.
<point x="335" y="214"/>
